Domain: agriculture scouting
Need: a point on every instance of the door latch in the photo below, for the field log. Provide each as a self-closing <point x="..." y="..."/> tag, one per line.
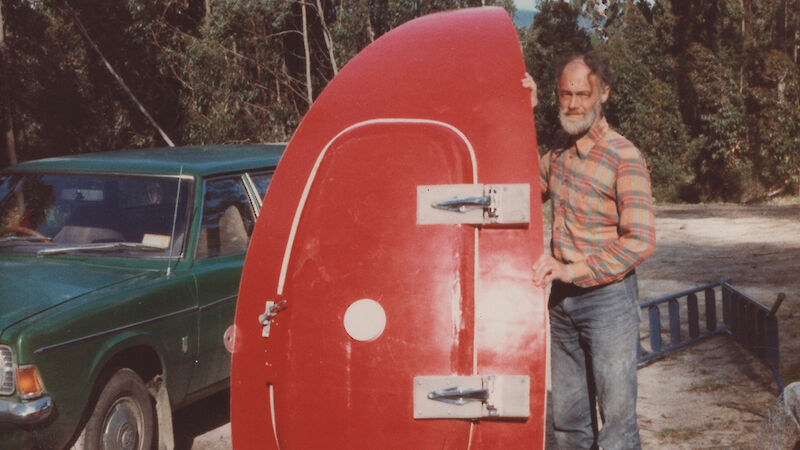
<point x="472" y="396"/>
<point x="459" y="396"/>
<point x="271" y="311"/>
<point x="474" y="204"/>
<point x="464" y="204"/>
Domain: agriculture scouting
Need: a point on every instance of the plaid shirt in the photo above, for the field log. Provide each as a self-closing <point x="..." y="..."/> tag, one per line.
<point x="603" y="224"/>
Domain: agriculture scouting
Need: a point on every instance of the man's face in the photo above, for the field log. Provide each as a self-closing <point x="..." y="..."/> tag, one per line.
<point x="580" y="98"/>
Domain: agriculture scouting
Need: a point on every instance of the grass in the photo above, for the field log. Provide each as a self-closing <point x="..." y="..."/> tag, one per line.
<point x="678" y="435"/>
<point x="707" y="386"/>
<point x="787" y="200"/>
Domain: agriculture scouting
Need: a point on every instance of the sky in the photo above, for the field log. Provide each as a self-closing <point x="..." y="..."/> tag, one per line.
<point x="524" y="4"/>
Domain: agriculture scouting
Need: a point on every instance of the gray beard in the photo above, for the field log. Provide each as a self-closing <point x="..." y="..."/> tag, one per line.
<point x="578" y="127"/>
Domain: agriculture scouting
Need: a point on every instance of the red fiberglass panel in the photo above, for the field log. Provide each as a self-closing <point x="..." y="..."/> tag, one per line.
<point x="436" y="101"/>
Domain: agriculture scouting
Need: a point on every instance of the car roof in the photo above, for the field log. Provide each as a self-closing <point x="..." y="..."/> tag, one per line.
<point x="194" y="160"/>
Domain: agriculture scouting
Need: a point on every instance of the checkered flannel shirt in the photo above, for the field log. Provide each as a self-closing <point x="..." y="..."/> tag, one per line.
<point x="603" y="224"/>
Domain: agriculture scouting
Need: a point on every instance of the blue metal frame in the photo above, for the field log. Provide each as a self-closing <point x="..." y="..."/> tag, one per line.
<point x="751" y="324"/>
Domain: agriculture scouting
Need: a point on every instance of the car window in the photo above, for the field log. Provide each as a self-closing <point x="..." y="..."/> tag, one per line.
<point x="80" y="211"/>
<point x="261" y="181"/>
<point x="228" y="218"/>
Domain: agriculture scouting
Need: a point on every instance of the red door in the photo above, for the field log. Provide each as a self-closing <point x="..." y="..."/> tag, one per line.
<point x="358" y="239"/>
<point x="398" y="331"/>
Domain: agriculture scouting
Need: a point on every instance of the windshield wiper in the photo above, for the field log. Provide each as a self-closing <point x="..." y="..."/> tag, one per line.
<point x="11" y="239"/>
<point x="100" y="246"/>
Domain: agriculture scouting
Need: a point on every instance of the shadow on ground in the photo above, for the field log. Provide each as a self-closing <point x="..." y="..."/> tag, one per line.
<point x="682" y="211"/>
<point x="200" y="418"/>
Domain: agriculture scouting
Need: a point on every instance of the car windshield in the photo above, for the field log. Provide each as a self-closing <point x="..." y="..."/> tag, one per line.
<point x="51" y="213"/>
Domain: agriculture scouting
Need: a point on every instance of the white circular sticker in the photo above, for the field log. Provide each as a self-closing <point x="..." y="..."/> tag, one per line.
<point x="365" y="320"/>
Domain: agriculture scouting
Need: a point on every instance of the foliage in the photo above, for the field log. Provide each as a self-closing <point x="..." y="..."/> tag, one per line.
<point x="708" y="90"/>
<point x="238" y="77"/>
<point x="554" y="33"/>
<point x="642" y="105"/>
<point x="775" y="129"/>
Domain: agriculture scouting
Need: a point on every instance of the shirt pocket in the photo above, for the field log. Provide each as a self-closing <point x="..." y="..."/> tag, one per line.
<point x="596" y="200"/>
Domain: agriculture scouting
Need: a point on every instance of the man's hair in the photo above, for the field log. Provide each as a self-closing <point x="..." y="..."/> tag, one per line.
<point x="598" y="63"/>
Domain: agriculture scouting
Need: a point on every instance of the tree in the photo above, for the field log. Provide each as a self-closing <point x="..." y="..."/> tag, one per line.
<point x="8" y="116"/>
<point x="241" y="72"/>
<point x="554" y="33"/>
<point x="709" y="91"/>
<point x="117" y="77"/>
<point x="120" y="32"/>
<point x="40" y="86"/>
<point x="643" y="103"/>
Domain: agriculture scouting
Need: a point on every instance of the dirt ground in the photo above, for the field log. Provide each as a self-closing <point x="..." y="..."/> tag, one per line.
<point x="713" y="394"/>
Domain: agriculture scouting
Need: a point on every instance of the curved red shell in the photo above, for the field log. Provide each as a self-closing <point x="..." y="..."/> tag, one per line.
<point x="435" y="101"/>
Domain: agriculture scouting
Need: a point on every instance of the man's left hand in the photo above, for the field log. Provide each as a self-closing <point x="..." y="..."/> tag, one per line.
<point x="527" y="82"/>
<point x="547" y="269"/>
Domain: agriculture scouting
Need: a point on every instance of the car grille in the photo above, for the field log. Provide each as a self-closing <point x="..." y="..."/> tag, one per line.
<point x="6" y="371"/>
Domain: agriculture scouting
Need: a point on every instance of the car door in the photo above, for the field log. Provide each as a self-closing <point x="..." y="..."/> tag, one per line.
<point x="228" y="218"/>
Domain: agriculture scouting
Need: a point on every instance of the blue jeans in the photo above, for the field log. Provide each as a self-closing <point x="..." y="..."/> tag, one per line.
<point x="593" y="335"/>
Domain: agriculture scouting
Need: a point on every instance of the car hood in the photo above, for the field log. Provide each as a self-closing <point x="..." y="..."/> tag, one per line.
<point x="30" y="285"/>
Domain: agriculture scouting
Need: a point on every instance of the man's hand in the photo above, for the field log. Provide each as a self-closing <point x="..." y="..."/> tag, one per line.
<point x="547" y="269"/>
<point x="527" y="82"/>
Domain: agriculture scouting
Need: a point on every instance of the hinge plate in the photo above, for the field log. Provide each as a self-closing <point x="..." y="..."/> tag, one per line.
<point x="472" y="397"/>
<point x="474" y="204"/>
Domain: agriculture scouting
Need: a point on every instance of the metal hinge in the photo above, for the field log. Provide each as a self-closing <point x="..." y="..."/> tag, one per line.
<point x="474" y="204"/>
<point x="271" y="311"/>
<point x="472" y="396"/>
<point x="457" y="395"/>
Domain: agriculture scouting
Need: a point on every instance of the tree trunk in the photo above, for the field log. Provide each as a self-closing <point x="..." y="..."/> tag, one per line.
<point x="744" y="44"/>
<point x="309" y="91"/>
<point x="796" y="43"/>
<point x="370" y="30"/>
<point x="118" y="77"/>
<point x="5" y="88"/>
<point x="782" y="26"/>
<point x="327" y="35"/>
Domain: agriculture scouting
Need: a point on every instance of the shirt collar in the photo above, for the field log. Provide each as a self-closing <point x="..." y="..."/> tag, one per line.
<point x="587" y="142"/>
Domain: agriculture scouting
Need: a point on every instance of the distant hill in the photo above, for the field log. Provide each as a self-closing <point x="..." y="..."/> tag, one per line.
<point x="523" y="18"/>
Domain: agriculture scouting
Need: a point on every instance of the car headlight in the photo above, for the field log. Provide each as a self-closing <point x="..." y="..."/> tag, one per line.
<point x="7" y="371"/>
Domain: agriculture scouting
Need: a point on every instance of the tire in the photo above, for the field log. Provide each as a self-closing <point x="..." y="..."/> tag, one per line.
<point x="122" y="418"/>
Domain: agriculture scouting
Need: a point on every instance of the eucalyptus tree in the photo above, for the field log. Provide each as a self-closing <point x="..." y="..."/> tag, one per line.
<point x="554" y="33"/>
<point x="643" y="105"/>
<point x="5" y="98"/>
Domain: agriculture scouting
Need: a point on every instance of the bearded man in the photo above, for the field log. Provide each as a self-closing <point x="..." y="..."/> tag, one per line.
<point x="602" y="228"/>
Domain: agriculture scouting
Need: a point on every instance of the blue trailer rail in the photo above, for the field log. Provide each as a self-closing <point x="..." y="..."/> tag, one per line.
<point x="751" y="324"/>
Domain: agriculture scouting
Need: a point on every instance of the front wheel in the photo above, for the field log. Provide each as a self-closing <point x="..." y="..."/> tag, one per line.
<point x="123" y="417"/>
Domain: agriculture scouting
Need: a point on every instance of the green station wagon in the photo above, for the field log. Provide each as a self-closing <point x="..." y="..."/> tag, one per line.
<point x="119" y="274"/>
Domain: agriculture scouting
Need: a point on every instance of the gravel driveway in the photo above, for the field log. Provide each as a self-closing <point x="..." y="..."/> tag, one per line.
<point x="712" y="395"/>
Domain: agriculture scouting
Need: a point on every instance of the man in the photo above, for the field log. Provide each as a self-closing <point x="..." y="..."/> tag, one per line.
<point x="603" y="227"/>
